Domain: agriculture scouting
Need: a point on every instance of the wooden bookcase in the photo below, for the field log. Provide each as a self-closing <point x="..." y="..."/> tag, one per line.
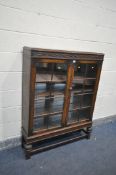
<point x="58" y="96"/>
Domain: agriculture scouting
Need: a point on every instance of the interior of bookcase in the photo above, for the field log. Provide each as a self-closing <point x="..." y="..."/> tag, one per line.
<point x="50" y="87"/>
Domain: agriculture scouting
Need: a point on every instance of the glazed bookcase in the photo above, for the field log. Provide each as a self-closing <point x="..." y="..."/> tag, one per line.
<point x="58" y="98"/>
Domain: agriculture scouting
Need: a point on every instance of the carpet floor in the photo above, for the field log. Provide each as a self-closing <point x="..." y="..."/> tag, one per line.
<point x="96" y="156"/>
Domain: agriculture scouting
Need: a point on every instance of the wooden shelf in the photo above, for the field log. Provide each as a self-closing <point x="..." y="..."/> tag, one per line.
<point x="57" y="110"/>
<point x="44" y="112"/>
<point x="82" y="77"/>
<point x="49" y="93"/>
<point x="54" y="95"/>
<point x="83" y="80"/>
<point x="44" y="78"/>
<point x="79" y="108"/>
<point x="59" y="94"/>
<point x="50" y="97"/>
<point x="82" y="92"/>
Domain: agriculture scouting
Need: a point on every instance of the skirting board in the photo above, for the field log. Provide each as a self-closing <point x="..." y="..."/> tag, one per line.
<point x="13" y="142"/>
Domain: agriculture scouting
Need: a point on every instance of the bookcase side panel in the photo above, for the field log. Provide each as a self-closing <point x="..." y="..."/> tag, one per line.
<point x="26" y="89"/>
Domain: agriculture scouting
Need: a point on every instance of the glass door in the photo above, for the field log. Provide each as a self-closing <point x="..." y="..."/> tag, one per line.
<point x="82" y="91"/>
<point x="49" y="96"/>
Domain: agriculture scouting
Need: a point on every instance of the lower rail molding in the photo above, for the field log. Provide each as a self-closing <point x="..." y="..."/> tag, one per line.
<point x="54" y="142"/>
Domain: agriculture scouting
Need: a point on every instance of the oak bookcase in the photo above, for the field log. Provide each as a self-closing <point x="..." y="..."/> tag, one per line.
<point x="58" y="96"/>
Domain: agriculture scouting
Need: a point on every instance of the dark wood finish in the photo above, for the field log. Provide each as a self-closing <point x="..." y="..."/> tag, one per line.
<point x="58" y="87"/>
<point x="26" y="89"/>
<point x="70" y="74"/>
<point x="37" y="136"/>
<point x="59" y="142"/>
<point x="32" y="96"/>
<point x="96" y="86"/>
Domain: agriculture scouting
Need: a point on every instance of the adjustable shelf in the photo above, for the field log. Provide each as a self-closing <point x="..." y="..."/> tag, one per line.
<point x="46" y="113"/>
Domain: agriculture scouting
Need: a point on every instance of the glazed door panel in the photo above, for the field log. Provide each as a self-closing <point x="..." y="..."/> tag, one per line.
<point x="82" y="91"/>
<point x="50" y="85"/>
<point x="63" y="93"/>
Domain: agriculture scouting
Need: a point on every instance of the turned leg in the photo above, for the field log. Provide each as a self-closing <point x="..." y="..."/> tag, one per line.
<point x="27" y="151"/>
<point x="22" y="142"/>
<point x="27" y="155"/>
<point x="89" y="130"/>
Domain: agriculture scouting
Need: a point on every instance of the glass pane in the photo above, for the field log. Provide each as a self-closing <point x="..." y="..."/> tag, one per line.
<point x="82" y="91"/>
<point x="79" y="115"/>
<point x="43" y="72"/>
<point x="84" y="114"/>
<point x="73" y="116"/>
<point x="78" y="104"/>
<point x="48" y="105"/>
<point x="77" y="87"/>
<point x="79" y="69"/>
<point x="54" y="121"/>
<point x="49" y="94"/>
<point x="88" y="85"/>
<point x="39" y="123"/>
<point x="80" y="101"/>
<point x="85" y="70"/>
<point x="45" y="89"/>
<point x="86" y="100"/>
<point x="60" y="71"/>
<point x="47" y="122"/>
<point x="91" y="70"/>
<point x="75" y="101"/>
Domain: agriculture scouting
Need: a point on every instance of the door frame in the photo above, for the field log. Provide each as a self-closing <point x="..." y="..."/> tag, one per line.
<point x="67" y="93"/>
<point x="69" y="87"/>
<point x="32" y="94"/>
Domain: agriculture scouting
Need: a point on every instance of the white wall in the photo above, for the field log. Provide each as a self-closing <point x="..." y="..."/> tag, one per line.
<point x="79" y="25"/>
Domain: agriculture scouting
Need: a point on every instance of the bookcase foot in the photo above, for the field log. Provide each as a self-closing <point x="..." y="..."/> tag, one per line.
<point x="27" y="149"/>
<point x="27" y="155"/>
<point x="89" y="130"/>
<point x="22" y="142"/>
<point x="53" y="142"/>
